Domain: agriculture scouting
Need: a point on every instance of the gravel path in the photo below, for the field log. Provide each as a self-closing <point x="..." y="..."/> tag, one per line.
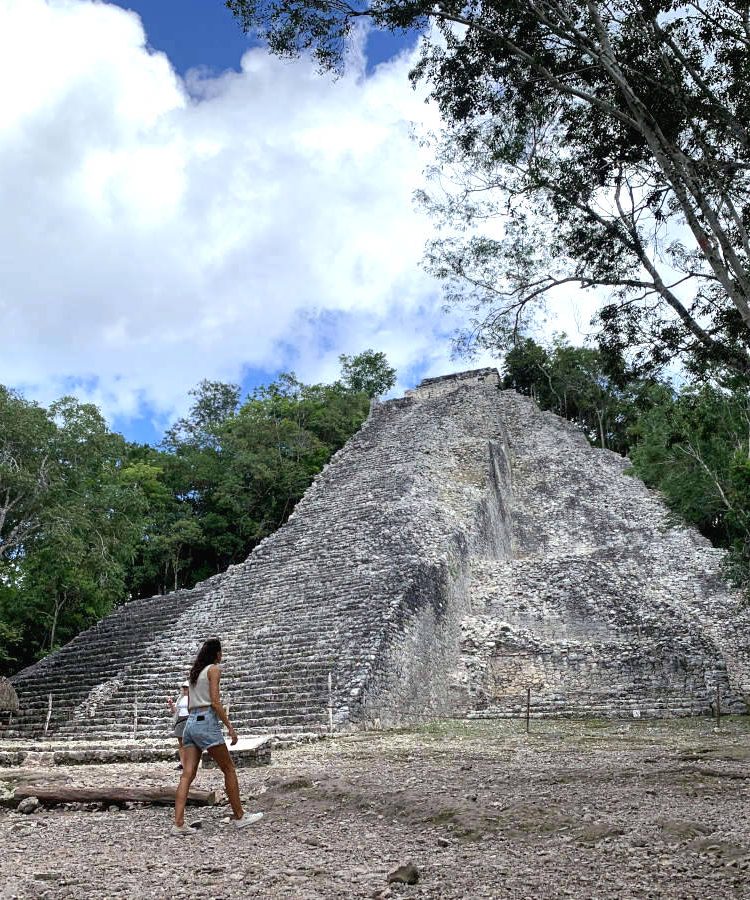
<point x="578" y="810"/>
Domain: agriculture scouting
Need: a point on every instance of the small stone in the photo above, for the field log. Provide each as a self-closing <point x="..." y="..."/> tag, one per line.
<point x="406" y="874"/>
<point x="28" y="805"/>
<point x="443" y="842"/>
<point x="114" y="808"/>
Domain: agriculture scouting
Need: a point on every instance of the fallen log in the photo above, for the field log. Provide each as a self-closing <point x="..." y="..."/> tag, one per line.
<point x="62" y="793"/>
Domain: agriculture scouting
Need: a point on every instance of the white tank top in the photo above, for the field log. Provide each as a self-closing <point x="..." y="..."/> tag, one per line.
<point x="200" y="693"/>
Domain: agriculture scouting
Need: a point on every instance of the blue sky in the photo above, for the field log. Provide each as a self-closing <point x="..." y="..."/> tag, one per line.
<point x="204" y="33"/>
<point x="192" y="32"/>
<point x="176" y="204"/>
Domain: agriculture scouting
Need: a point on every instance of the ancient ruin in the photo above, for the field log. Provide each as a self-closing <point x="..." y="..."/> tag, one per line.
<point x="462" y="548"/>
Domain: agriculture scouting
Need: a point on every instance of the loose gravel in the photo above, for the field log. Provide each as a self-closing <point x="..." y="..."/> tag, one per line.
<point x="483" y="810"/>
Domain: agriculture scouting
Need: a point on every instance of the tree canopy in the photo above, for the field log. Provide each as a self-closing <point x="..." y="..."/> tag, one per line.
<point x="608" y="139"/>
<point x="601" y="395"/>
<point x="69" y="521"/>
<point x="88" y="520"/>
<point x="367" y="373"/>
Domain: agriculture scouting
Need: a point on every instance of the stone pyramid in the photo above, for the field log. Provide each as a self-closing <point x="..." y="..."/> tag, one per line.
<point x="461" y="548"/>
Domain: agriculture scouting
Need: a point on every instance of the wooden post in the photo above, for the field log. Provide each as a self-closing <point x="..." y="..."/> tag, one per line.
<point x="65" y="793"/>
<point x="330" y="704"/>
<point x="528" y="708"/>
<point x="718" y="704"/>
<point x="135" y="714"/>
<point x="49" y="714"/>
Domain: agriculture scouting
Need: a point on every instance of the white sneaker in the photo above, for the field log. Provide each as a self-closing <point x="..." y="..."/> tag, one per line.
<point x="248" y="819"/>
<point x="183" y="830"/>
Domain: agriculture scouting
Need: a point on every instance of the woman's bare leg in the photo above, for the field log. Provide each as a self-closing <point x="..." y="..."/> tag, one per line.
<point x="224" y="761"/>
<point x="191" y="756"/>
<point x="181" y="752"/>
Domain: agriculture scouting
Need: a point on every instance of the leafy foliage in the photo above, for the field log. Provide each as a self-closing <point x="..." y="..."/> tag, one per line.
<point x="367" y="373"/>
<point x="695" y="448"/>
<point x="88" y="520"/>
<point x="583" y="385"/>
<point x="601" y="144"/>
<point x="71" y="526"/>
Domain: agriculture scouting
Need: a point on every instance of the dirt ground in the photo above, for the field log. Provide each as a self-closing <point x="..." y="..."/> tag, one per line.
<point x="579" y="810"/>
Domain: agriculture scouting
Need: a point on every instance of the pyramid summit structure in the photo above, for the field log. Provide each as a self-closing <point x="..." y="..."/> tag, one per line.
<point x="462" y="548"/>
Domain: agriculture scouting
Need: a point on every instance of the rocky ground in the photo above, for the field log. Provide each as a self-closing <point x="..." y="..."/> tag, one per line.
<point x="580" y="810"/>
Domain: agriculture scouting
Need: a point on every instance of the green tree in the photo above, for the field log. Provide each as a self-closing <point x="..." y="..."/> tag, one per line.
<point x="367" y="373"/>
<point x="280" y="439"/>
<point x="148" y="471"/>
<point x="70" y="568"/>
<point x="527" y="369"/>
<point x="29" y="470"/>
<point x="695" y="449"/>
<point x="584" y="385"/>
<point x="213" y="403"/>
<point x="611" y="139"/>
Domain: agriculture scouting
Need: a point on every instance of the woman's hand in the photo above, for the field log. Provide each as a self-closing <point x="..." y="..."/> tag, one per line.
<point x="232" y="735"/>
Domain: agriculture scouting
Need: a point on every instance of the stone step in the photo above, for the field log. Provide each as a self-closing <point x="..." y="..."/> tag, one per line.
<point x="163" y="730"/>
<point x="610" y="706"/>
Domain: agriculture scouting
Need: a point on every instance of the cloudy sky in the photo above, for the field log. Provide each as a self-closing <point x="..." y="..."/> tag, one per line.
<point x="176" y="204"/>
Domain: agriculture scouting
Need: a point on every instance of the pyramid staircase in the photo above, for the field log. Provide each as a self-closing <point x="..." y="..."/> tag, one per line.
<point x="313" y="623"/>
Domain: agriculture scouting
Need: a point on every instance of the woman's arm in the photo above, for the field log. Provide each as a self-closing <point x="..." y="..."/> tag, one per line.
<point x="214" y="674"/>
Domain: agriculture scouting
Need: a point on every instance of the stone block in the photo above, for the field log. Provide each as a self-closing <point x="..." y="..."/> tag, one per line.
<point x="247" y="754"/>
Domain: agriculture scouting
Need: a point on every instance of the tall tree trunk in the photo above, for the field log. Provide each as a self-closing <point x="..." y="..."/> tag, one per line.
<point x="602" y="438"/>
<point x="55" y="616"/>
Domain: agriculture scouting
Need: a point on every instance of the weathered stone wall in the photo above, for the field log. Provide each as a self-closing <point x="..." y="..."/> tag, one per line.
<point x="462" y="547"/>
<point x="603" y="606"/>
<point x="416" y="676"/>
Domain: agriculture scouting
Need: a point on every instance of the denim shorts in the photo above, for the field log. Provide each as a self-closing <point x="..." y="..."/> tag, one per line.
<point x="202" y="730"/>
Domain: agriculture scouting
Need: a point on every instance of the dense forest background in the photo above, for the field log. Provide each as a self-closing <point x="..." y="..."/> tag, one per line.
<point x="89" y="520"/>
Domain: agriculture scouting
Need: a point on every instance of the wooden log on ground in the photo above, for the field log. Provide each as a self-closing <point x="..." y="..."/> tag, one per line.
<point x="63" y="793"/>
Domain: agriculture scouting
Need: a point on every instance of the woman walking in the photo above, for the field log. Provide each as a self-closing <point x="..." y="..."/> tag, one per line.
<point x="203" y="732"/>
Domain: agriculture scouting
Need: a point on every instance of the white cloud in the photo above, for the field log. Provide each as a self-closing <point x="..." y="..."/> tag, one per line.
<point x="155" y="231"/>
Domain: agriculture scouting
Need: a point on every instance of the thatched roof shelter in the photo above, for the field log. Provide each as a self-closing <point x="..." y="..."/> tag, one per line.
<point x="8" y="695"/>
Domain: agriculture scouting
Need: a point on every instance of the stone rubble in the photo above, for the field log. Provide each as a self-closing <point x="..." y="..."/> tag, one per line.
<point x="637" y="811"/>
<point x="28" y="805"/>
